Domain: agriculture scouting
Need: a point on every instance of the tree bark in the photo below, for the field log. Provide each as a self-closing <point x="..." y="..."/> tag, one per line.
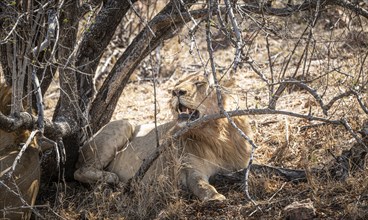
<point x="94" y="42"/>
<point x="160" y="28"/>
<point x="67" y="109"/>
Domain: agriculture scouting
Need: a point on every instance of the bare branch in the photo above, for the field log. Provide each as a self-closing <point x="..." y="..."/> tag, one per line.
<point x="256" y="70"/>
<point x="336" y="98"/>
<point x="348" y="127"/>
<point x="239" y="42"/>
<point x="21" y="152"/>
<point x="40" y="107"/>
<point x="360" y="101"/>
<point x="52" y="21"/>
<point x="351" y="6"/>
<point x="220" y="100"/>
<point x="317" y="97"/>
<point x="163" y="25"/>
<point x="27" y="121"/>
<point x="94" y="41"/>
<point x="24" y="202"/>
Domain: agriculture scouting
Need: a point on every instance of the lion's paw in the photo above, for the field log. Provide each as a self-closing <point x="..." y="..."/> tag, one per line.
<point x="217" y="197"/>
<point x="111" y="178"/>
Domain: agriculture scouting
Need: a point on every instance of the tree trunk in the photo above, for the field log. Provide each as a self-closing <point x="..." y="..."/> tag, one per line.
<point x="94" y="42"/>
<point x="160" y="28"/>
<point x="67" y="108"/>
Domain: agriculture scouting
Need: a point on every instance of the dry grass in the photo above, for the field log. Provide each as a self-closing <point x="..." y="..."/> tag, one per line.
<point x="283" y="141"/>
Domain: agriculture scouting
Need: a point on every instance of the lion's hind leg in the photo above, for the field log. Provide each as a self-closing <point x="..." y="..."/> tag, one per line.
<point x="100" y="150"/>
<point x="89" y="174"/>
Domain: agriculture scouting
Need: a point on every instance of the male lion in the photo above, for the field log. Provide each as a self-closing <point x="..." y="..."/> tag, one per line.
<point x="18" y="191"/>
<point x="216" y="146"/>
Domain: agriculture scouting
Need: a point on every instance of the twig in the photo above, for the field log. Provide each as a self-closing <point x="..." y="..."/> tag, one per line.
<point x="256" y="70"/>
<point x="220" y="101"/>
<point x="50" y="34"/>
<point x="282" y="186"/>
<point x="24" y="202"/>
<point x="21" y="152"/>
<point x="276" y="96"/>
<point x="306" y="127"/>
<point x="360" y="101"/>
<point x="352" y="7"/>
<point x="270" y="64"/>
<point x="154" y="80"/>
<point x="39" y="99"/>
<point x="140" y="17"/>
<point x="348" y="127"/>
<point x="20" y="17"/>
<point x="239" y="42"/>
<point x="221" y="21"/>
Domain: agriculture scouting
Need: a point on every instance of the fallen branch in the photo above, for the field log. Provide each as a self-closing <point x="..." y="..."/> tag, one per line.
<point x="349" y="162"/>
<point x="293" y="175"/>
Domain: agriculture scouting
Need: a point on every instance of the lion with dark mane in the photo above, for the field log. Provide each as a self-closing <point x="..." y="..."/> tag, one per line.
<point x="116" y="152"/>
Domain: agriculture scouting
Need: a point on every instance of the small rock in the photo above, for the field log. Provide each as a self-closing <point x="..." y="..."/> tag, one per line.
<point x="300" y="210"/>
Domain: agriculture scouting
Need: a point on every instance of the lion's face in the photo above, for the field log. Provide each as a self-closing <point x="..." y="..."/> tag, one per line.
<point x="192" y="98"/>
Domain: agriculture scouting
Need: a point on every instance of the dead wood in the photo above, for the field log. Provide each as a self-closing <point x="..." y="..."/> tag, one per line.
<point x="286" y="174"/>
<point x="348" y="163"/>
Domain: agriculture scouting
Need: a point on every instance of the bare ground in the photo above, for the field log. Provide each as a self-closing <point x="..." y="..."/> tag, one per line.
<point x="282" y="141"/>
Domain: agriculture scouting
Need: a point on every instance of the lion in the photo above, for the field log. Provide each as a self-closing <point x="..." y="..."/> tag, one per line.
<point x="19" y="190"/>
<point x="116" y="151"/>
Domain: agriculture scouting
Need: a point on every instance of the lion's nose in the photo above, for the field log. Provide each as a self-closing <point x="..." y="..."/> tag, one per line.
<point x="178" y="92"/>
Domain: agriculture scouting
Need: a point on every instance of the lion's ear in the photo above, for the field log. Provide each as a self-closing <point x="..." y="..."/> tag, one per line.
<point x="225" y="80"/>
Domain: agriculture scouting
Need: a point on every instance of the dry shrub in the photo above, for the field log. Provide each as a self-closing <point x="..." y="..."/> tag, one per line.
<point x="157" y="195"/>
<point x="283" y="141"/>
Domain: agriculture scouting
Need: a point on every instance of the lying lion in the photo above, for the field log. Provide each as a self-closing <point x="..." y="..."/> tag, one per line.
<point x="18" y="191"/>
<point x="116" y="152"/>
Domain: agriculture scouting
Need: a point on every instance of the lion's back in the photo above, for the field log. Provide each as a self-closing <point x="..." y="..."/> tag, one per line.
<point x="26" y="172"/>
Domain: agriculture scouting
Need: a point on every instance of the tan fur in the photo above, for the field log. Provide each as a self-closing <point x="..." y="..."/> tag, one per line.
<point x="211" y="148"/>
<point x="24" y="183"/>
<point x="100" y="150"/>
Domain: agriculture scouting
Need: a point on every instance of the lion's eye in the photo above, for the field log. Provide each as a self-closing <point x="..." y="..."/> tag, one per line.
<point x="201" y="83"/>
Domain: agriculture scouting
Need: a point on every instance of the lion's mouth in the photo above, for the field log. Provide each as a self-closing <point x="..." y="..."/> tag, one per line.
<point x="186" y="113"/>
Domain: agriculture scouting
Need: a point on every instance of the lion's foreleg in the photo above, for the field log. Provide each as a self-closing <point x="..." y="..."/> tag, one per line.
<point x="199" y="185"/>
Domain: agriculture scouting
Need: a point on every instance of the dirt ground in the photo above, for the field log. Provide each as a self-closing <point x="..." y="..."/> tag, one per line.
<point x="282" y="140"/>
